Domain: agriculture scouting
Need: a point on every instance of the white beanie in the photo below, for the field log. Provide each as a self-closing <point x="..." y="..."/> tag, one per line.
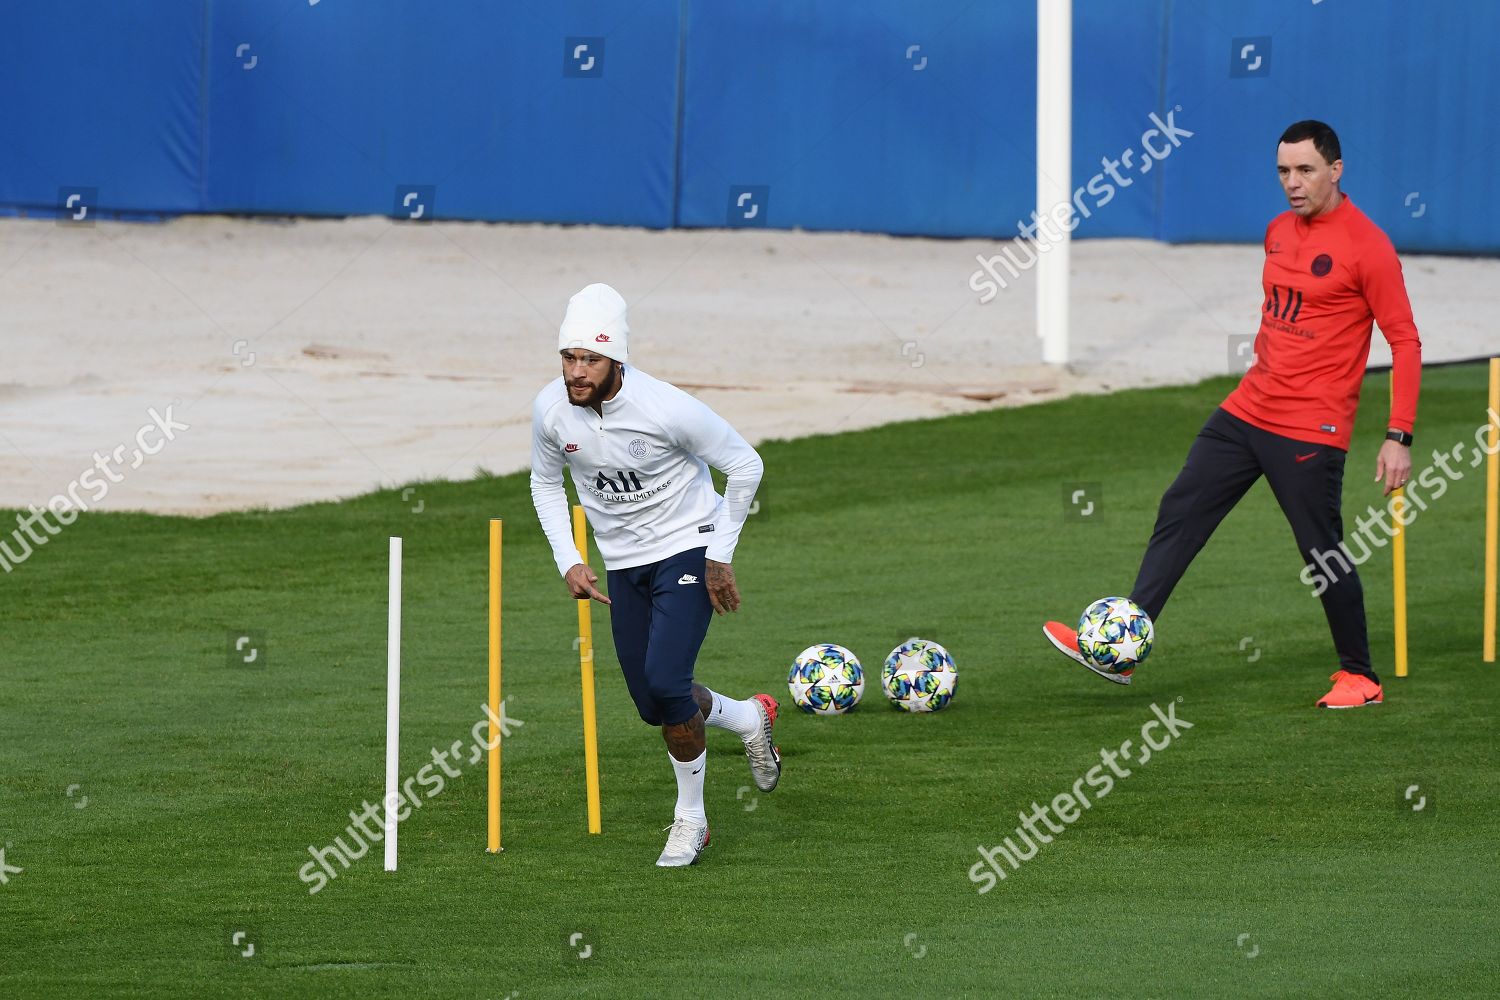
<point x="595" y="321"/>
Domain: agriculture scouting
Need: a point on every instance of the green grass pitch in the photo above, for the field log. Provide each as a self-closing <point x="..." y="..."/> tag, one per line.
<point x="157" y="797"/>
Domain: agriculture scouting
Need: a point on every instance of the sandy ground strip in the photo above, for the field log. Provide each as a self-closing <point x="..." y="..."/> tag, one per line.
<point x="317" y="359"/>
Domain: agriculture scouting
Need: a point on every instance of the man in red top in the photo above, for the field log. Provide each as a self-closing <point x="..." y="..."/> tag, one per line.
<point x="1329" y="274"/>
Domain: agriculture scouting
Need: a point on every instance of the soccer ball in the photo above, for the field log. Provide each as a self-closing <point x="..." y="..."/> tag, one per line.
<point x="826" y="679"/>
<point x="919" y="676"/>
<point x="1115" y="634"/>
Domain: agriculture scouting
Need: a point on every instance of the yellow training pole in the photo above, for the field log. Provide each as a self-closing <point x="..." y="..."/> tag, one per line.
<point x="1398" y="586"/>
<point x="1398" y="564"/>
<point x="1491" y="514"/>
<point x="494" y="744"/>
<point x="586" y="666"/>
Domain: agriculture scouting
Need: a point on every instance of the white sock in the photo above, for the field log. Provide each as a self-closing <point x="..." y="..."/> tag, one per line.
<point x="739" y="717"/>
<point x="690" y="787"/>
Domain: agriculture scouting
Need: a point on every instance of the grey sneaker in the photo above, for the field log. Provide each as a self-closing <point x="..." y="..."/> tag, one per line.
<point x="765" y="756"/>
<point x="1066" y="641"/>
<point x="685" y="842"/>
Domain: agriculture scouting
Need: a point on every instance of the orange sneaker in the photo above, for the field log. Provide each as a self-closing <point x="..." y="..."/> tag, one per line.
<point x="1351" y="691"/>
<point x="1065" y="638"/>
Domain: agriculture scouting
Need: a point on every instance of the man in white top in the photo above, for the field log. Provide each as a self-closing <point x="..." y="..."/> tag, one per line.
<point x="639" y="451"/>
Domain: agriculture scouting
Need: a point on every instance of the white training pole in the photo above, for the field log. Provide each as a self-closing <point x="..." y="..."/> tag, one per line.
<point x="1054" y="171"/>
<point x="392" y="704"/>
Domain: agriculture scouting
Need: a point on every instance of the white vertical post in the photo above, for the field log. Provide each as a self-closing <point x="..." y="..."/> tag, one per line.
<point x="1054" y="170"/>
<point x="392" y="705"/>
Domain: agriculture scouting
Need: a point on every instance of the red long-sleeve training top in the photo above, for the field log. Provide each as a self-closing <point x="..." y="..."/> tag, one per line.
<point x="1326" y="280"/>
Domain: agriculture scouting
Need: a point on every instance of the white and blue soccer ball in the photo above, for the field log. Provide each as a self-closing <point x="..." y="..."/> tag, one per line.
<point x="1115" y="634"/>
<point x="826" y="679"/>
<point x="919" y="676"/>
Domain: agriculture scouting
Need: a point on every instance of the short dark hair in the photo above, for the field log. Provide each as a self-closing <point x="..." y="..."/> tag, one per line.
<point x="1325" y="139"/>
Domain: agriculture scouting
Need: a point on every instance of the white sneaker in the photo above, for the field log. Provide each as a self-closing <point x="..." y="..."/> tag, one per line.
<point x="686" y="841"/>
<point x="765" y="756"/>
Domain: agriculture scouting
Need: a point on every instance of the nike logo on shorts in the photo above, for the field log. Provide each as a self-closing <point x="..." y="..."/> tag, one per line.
<point x="1303" y="458"/>
<point x="685" y="579"/>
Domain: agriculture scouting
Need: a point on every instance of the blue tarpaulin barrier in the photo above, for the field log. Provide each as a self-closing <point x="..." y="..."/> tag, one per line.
<point x="882" y="116"/>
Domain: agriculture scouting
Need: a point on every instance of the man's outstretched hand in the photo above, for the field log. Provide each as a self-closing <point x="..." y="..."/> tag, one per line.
<point x="1393" y="465"/>
<point x="721" y="589"/>
<point x="581" y="580"/>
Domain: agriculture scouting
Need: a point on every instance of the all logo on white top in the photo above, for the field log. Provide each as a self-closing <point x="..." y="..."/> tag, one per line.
<point x="688" y="579"/>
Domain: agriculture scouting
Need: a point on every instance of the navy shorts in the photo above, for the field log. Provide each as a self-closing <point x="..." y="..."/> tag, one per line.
<point x="659" y="614"/>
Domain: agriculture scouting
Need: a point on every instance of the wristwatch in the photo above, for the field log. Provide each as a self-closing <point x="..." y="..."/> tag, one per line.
<point x="1398" y="436"/>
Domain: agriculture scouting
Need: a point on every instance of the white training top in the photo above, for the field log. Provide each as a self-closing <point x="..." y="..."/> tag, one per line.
<point x="641" y="470"/>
